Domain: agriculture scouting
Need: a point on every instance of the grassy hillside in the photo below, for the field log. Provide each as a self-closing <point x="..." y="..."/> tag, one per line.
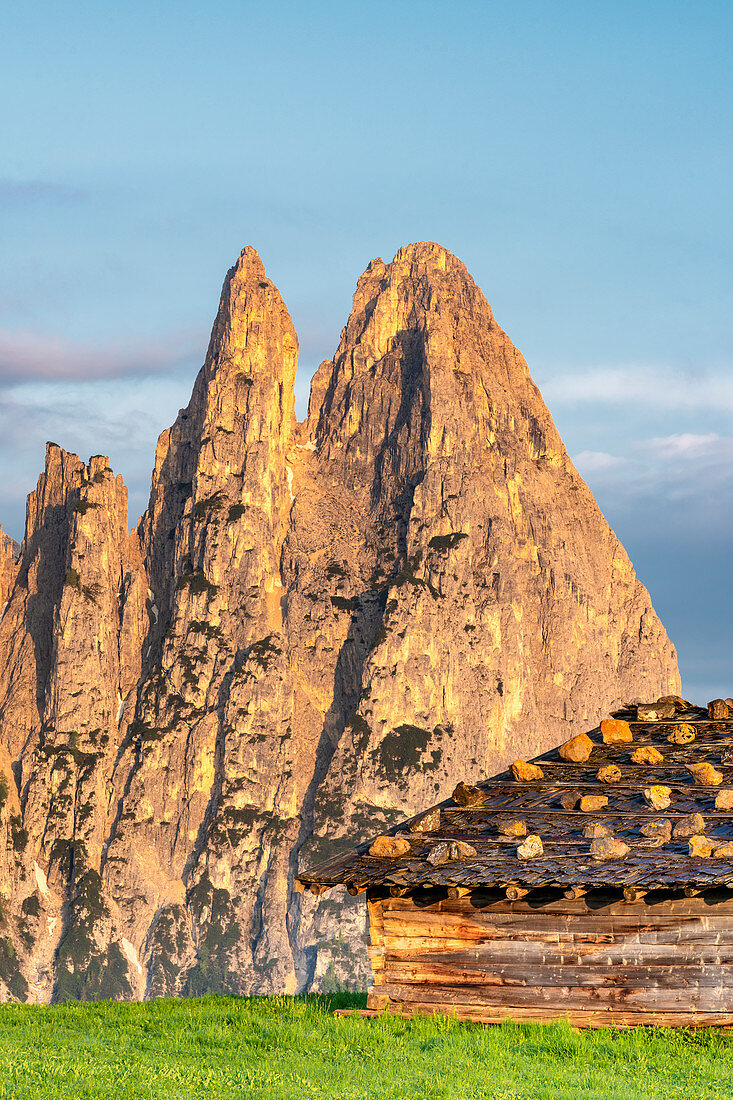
<point x="280" y="1048"/>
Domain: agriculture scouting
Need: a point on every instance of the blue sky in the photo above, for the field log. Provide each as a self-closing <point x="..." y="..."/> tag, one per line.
<point x="576" y="156"/>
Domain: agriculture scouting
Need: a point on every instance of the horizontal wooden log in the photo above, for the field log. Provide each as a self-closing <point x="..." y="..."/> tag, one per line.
<point x="643" y="943"/>
<point x="527" y="952"/>
<point x="577" y="1018"/>
<point x="663" y="933"/>
<point x="664" y="975"/>
<point x="446" y="924"/>
<point x="563" y="999"/>
<point x="693" y="939"/>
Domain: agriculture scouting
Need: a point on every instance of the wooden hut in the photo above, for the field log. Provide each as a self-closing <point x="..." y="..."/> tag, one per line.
<point x="594" y="883"/>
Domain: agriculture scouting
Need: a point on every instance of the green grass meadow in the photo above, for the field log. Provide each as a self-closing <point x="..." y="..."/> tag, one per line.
<point x="284" y="1048"/>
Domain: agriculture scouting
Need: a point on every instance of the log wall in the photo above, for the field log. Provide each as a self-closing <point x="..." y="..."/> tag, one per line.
<point x="621" y="963"/>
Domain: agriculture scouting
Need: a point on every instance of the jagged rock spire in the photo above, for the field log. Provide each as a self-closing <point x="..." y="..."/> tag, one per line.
<point x="71" y="638"/>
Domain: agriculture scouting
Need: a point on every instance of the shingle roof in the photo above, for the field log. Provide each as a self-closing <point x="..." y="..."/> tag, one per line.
<point x="551" y="809"/>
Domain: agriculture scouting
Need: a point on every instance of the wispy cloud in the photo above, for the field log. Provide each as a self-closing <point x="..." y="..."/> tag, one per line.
<point x="26" y="356"/>
<point x="593" y="461"/>
<point x="25" y="191"/>
<point x="659" y="387"/>
<point x="692" y="470"/>
<point x="112" y="417"/>
<point x="687" y="445"/>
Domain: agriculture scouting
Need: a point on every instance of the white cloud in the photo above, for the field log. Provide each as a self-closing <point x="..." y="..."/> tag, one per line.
<point x="691" y="470"/>
<point x="594" y="461"/>
<point x="25" y="356"/>
<point x="687" y="445"/>
<point x="111" y="417"/>
<point x="658" y="387"/>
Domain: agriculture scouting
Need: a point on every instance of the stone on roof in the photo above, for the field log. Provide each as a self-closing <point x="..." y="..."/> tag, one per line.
<point x="567" y="819"/>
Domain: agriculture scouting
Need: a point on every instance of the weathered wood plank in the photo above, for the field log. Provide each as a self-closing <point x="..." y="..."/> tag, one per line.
<point x="439" y="940"/>
<point x="496" y="1014"/>
<point x="563" y="998"/>
<point x="376" y="921"/>
<point x="505" y="926"/>
<point x="543" y="925"/>
<point x="588" y="954"/>
<point x="635" y="962"/>
<point x="572" y="975"/>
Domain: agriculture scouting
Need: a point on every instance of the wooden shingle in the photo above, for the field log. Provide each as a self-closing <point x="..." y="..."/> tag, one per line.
<point x="560" y="806"/>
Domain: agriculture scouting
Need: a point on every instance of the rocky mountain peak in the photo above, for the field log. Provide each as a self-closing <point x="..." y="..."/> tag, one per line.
<point x="316" y="631"/>
<point x="253" y="332"/>
<point x="423" y="364"/>
<point x="226" y="449"/>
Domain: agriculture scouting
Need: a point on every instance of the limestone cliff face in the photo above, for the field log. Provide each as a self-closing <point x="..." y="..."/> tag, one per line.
<point x="512" y="609"/>
<point x="9" y="552"/>
<point x="70" y="638"/>
<point x="317" y="629"/>
<point x="509" y="612"/>
<point x="209" y="756"/>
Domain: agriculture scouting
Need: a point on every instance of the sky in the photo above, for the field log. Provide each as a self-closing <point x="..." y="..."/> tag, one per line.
<point x="576" y="157"/>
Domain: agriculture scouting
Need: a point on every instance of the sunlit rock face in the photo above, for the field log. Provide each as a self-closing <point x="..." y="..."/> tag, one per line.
<point x="70" y="640"/>
<point x="9" y="552"/>
<point x="316" y="629"/>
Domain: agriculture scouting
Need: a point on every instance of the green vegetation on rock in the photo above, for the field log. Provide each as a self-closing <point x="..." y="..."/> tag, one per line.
<point x="83" y="506"/>
<point x="211" y="504"/>
<point x="264" y="651"/>
<point x="197" y="583"/>
<point x="447" y="542"/>
<point x="83" y="971"/>
<point x="218" y="934"/>
<point x="10" y="974"/>
<point x="401" y="750"/>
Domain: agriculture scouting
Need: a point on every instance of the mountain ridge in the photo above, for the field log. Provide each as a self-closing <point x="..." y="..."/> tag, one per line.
<point x="314" y="628"/>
